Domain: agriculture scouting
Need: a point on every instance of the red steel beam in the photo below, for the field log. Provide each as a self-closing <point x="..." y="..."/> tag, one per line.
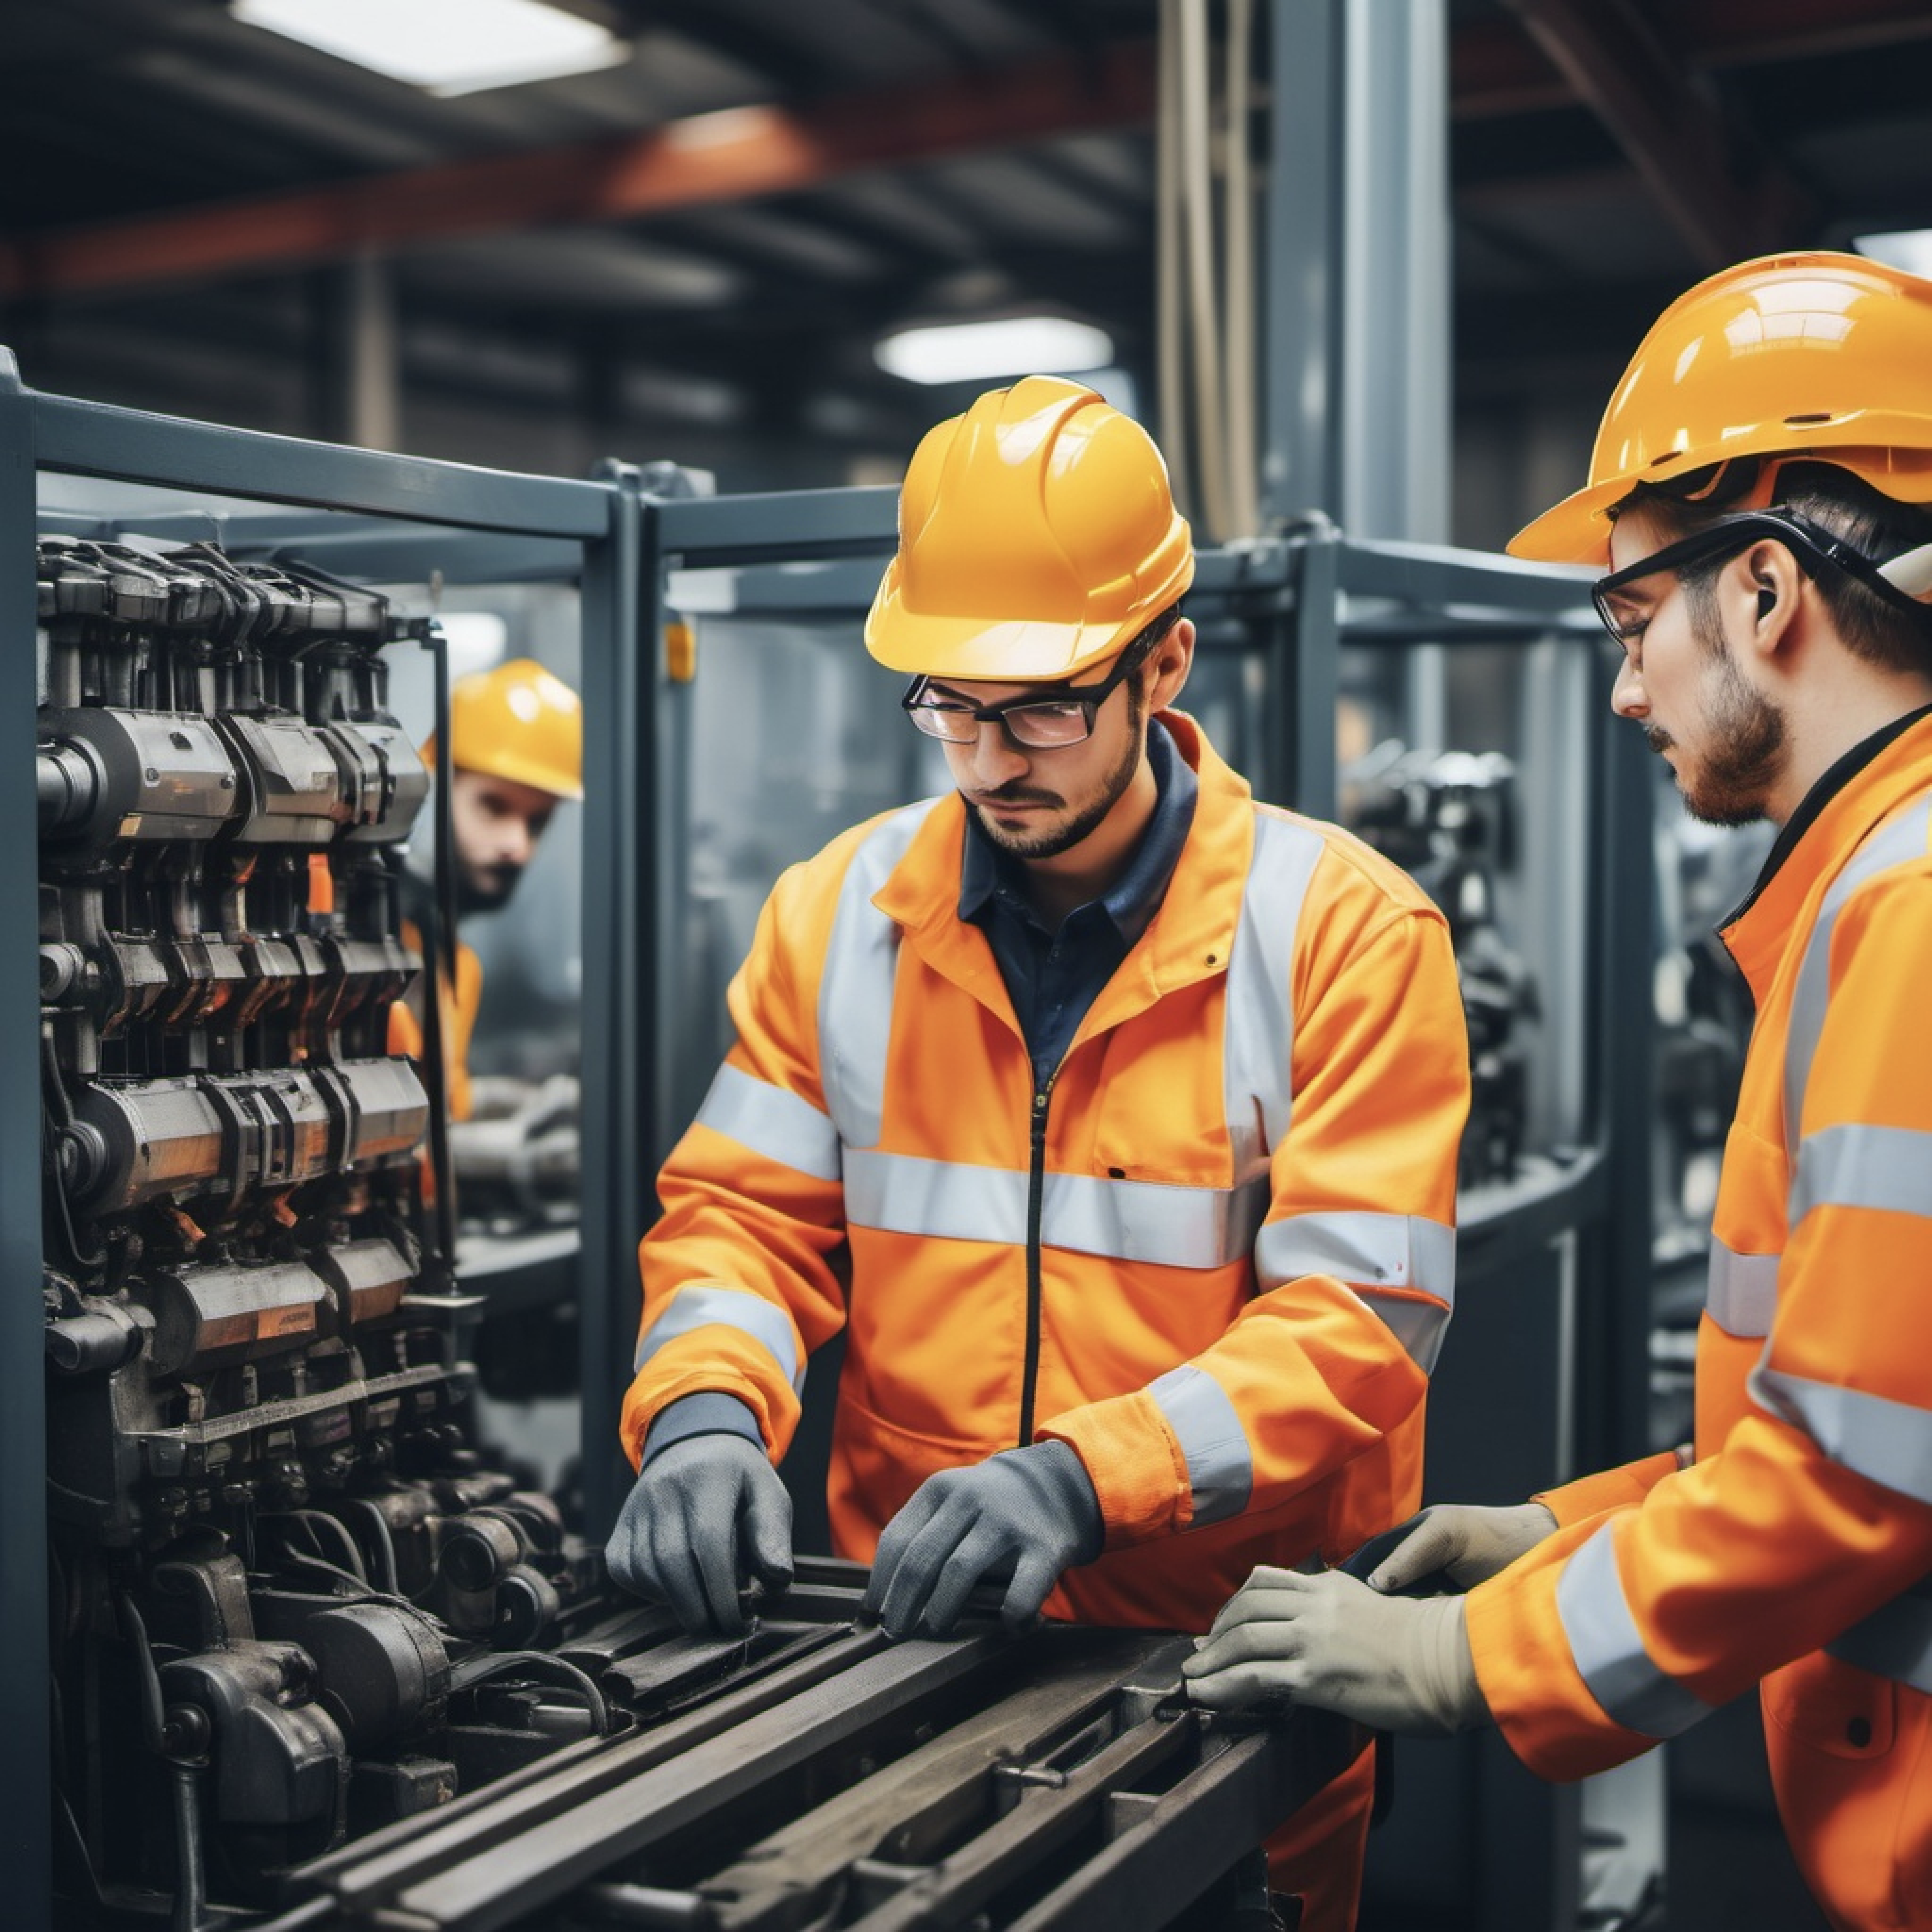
<point x="727" y="156"/>
<point x="1495" y="67"/>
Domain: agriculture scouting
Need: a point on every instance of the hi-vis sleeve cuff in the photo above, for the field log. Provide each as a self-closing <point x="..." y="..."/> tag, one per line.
<point x="1402" y="1266"/>
<point x="1633" y="1690"/>
<point x="701" y="1305"/>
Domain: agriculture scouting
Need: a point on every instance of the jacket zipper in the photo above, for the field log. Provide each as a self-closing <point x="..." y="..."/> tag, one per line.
<point x="1036" y="1195"/>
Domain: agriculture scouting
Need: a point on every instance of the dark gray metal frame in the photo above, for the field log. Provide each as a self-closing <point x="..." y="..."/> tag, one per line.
<point x="414" y="507"/>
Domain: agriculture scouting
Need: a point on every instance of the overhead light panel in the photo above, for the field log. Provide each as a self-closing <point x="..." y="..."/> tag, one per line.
<point x="1020" y="345"/>
<point x="448" y="46"/>
<point x="1907" y="248"/>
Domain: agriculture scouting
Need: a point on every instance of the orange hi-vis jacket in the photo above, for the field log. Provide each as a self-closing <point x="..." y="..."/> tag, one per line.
<point x="462" y="996"/>
<point x="1797" y="1548"/>
<point x="1214" y="1256"/>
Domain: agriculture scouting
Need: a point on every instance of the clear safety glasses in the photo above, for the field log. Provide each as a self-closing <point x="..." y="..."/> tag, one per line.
<point x="1031" y="723"/>
<point x="1815" y="549"/>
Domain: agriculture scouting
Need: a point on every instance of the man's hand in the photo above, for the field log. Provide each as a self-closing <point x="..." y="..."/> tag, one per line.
<point x="1396" y="1663"/>
<point x="1467" y="1543"/>
<point x="1025" y="1513"/>
<point x="707" y="1511"/>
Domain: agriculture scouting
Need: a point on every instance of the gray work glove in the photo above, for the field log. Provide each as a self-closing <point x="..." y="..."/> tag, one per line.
<point x="1026" y="1514"/>
<point x="1467" y="1543"/>
<point x="1395" y="1663"/>
<point x="706" y="1512"/>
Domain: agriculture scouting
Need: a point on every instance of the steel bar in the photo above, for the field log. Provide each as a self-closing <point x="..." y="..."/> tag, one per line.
<point x="1198" y="1830"/>
<point x="531" y="1867"/>
<point x="357" y="1880"/>
<point x="900" y="1812"/>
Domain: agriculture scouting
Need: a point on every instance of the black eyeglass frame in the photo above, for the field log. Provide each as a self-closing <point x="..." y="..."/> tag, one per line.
<point x="1089" y="698"/>
<point x="1813" y="547"/>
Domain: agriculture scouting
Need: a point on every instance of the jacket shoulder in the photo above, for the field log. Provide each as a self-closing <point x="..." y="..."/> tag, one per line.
<point x="1350" y="869"/>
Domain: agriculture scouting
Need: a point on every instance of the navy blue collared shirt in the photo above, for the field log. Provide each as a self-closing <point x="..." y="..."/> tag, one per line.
<point x="1052" y="977"/>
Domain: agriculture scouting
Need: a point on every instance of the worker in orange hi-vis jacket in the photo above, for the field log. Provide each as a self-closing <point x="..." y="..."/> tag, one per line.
<point x="1759" y="495"/>
<point x="516" y="752"/>
<point x="1113" y="1115"/>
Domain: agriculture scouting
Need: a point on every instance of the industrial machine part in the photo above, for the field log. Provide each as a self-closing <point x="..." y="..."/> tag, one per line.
<point x="315" y="1662"/>
<point x="1445" y="818"/>
<point x="815" y="1775"/>
<point x="277" y="1560"/>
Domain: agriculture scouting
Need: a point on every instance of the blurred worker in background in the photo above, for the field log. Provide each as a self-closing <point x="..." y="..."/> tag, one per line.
<point x="1759" y="494"/>
<point x="1113" y="1116"/>
<point x="516" y="750"/>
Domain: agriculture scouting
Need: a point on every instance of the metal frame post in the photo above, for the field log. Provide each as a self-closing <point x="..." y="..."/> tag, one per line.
<point x="1357" y="322"/>
<point x="27" y="1806"/>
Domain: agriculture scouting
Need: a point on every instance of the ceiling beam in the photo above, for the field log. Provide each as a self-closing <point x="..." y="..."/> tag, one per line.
<point x="735" y="154"/>
<point x="1725" y="198"/>
<point x="1495" y="69"/>
<point x="1603" y="53"/>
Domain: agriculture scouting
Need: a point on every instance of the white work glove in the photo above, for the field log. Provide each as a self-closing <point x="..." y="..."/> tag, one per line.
<point x="1467" y="1543"/>
<point x="1395" y="1663"/>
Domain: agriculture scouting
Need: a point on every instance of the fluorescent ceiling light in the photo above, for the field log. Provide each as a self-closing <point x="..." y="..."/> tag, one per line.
<point x="1909" y="249"/>
<point x="448" y="46"/>
<point x="1020" y="345"/>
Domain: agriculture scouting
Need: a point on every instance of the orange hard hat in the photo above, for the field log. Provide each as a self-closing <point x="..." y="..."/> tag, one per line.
<point x="1822" y="356"/>
<point x="1037" y="536"/>
<point x="519" y="721"/>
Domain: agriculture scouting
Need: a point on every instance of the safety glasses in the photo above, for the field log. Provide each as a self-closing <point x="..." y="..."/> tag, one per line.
<point x="1815" y="549"/>
<point x="1031" y="723"/>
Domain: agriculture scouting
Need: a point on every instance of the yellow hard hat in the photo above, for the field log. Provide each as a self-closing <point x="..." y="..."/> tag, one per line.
<point x="1037" y="536"/>
<point x="518" y="722"/>
<point x="1818" y="356"/>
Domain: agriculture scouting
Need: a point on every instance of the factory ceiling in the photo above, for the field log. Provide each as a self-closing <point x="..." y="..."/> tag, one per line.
<point x="701" y="244"/>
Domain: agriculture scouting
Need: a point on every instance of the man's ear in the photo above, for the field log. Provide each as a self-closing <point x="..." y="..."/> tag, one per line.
<point x="1173" y="658"/>
<point x="1776" y="584"/>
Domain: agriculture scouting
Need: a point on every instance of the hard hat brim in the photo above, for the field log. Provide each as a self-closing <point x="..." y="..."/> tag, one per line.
<point x="1006" y="651"/>
<point x="1577" y="530"/>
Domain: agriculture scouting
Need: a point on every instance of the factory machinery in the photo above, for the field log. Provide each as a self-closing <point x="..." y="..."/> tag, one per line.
<point x="315" y="1662"/>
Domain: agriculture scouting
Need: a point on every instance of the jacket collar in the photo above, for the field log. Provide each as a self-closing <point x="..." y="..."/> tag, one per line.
<point x="1188" y="939"/>
<point x="1864" y="787"/>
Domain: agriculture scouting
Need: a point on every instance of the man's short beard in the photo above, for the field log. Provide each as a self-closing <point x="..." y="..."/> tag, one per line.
<point x="1748" y="731"/>
<point x="487" y="890"/>
<point x="1063" y="838"/>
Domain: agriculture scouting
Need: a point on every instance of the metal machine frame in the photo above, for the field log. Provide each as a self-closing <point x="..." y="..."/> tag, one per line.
<point x="395" y="517"/>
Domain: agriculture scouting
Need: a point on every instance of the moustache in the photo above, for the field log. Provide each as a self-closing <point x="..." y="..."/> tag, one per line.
<point x="1014" y="795"/>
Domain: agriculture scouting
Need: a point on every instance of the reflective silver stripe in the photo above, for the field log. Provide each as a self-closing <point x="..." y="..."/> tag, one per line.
<point x="1894" y="1641"/>
<point x="1124" y="1220"/>
<point x="1887" y="1442"/>
<point x="1220" y="1468"/>
<point x="855" y="990"/>
<point x="1393" y="1250"/>
<point x="1901" y="838"/>
<point x="1419" y="1326"/>
<point x="704" y="1305"/>
<point x="1853" y="1166"/>
<point x="1609" y="1653"/>
<point x="781" y="1126"/>
<point x="1257" y="1042"/>
<point x="1370" y="1252"/>
<point x="1149" y="1221"/>
<point x="945" y="1200"/>
<point x="1742" y="1295"/>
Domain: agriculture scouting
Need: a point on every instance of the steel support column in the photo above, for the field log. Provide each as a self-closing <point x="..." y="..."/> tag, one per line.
<point x="1357" y="316"/>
